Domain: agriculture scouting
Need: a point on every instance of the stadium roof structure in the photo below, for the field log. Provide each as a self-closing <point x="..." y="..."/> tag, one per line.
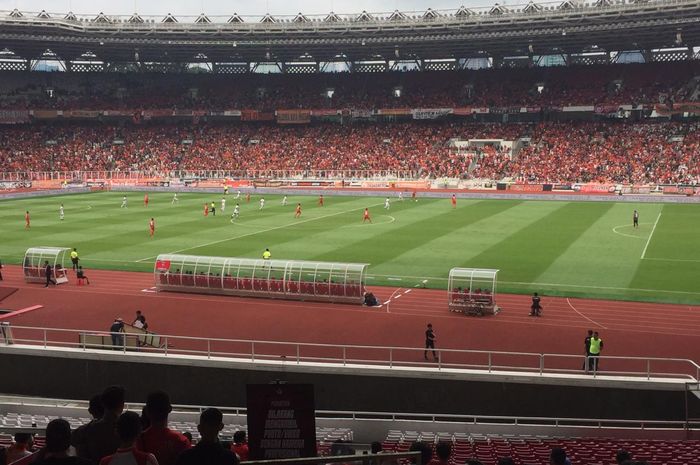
<point x="563" y="27"/>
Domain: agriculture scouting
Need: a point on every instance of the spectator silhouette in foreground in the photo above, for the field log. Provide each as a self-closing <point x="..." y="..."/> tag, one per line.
<point x="443" y="451"/>
<point x="101" y="437"/>
<point x="622" y="456"/>
<point x="96" y="411"/>
<point x="20" y="448"/>
<point x="209" y="450"/>
<point x="426" y="453"/>
<point x="558" y="457"/>
<point x="57" y="446"/>
<point x="128" y="429"/>
<point x="158" y="439"/>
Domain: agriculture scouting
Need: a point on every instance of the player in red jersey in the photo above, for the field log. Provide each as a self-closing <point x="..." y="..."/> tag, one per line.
<point x="152" y="227"/>
<point x="366" y="217"/>
<point x="413" y="196"/>
<point x="454" y="201"/>
<point x="320" y="200"/>
<point x="26" y="220"/>
<point x="247" y="197"/>
<point x="297" y="212"/>
<point x="206" y="209"/>
<point x="145" y="200"/>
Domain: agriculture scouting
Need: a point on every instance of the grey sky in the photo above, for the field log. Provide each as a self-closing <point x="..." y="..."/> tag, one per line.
<point x="249" y="7"/>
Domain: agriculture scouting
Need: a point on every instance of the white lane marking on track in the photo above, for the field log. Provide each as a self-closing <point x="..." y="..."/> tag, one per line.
<point x="261" y="231"/>
<point x="644" y="252"/>
<point x="615" y="230"/>
<point x="574" y="309"/>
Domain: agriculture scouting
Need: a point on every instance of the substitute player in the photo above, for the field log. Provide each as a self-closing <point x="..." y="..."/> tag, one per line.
<point x="387" y="204"/>
<point x="152" y="227"/>
<point x="145" y="200"/>
<point x="297" y="212"/>
<point x="284" y="201"/>
<point x="454" y="201"/>
<point x="124" y="202"/>
<point x="27" y="220"/>
<point x="175" y="200"/>
<point x="61" y="214"/>
<point x="223" y="204"/>
<point x="262" y="203"/>
<point x="365" y="216"/>
<point x="236" y="212"/>
<point x="320" y="200"/>
<point x="635" y="219"/>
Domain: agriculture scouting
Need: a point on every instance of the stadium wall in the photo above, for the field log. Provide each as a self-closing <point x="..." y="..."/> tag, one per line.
<point x="63" y="373"/>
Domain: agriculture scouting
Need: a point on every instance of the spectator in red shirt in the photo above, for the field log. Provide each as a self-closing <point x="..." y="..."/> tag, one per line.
<point x="128" y="429"/>
<point x="158" y="439"/>
<point x="240" y="445"/>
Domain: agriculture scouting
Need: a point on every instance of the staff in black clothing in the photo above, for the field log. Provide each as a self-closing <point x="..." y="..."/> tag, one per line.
<point x="117" y="333"/>
<point x="587" y="345"/>
<point x="535" y="308"/>
<point x="430" y="342"/>
<point x="635" y="219"/>
<point x="48" y="270"/>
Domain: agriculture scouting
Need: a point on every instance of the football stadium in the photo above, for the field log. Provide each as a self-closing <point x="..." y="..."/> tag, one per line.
<point x="436" y="235"/>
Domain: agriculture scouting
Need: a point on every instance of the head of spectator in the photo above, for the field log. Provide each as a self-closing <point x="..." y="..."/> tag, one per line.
<point x="158" y="408"/>
<point x="211" y="422"/>
<point x="558" y="456"/>
<point x="113" y="400"/>
<point x="506" y="461"/>
<point x="57" y="438"/>
<point x="376" y="447"/>
<point x="128" y="428"/>
<point x="21" y="447"/>
<point x="443" y="451"/>
<point x="239" y="437"/>
<point x="622" y="455"/>
<point x="189" y="437"/>
<point x="95" y="408"/>
<point x="426" y="453"/>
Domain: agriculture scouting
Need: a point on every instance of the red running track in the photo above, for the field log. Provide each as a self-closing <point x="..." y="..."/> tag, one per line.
<point x="627" y="328"/>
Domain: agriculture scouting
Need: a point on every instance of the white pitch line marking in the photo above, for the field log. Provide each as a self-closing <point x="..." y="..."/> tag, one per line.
<point x="615" y="230"/>
<point x="574" y="309"/>
<point x="644" y="252"/>
<point x="261" y="231"/>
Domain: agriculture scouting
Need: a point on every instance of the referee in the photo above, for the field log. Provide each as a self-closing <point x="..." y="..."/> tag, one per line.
<point x="74" y="259"/>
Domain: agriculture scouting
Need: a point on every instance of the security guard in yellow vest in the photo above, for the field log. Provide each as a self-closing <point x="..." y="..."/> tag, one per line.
<point x="74" y="259"/>
<point x="595" y="350"/>
<point x="266" y="254"/>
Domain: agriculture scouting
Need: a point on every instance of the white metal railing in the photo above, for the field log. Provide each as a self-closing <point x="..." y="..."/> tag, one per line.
<point x="538" y="364"/>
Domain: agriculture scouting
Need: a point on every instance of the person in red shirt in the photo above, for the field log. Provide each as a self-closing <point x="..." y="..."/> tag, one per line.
<point x="152" y="226"/>
<point x="366" y="217"/>
<point x="145" y="200"/>
<point x="240" y="445"/>
<point x="26" y="220"/>
<point x="413" y="196"/>
<point x="247" y="197"/>
<point x="128" y="429"/>
<point x="297" y="212"/>
<point x="158" y="439"/>
<point x="206" y="209"/>
<point x="454" y="201"/>
<point x="320" y="200"/>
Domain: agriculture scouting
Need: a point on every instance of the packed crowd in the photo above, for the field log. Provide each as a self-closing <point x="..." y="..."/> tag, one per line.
<point x="555" y="152"/>
<point x="537" y="86"/>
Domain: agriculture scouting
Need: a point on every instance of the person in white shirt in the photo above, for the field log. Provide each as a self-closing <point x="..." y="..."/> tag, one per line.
<point x="387" y="205"/>
<point x="124" y="202"/>
<point x="223" y="204"/>
<point x="175" y="199"/>
<point x="262" y="203"/>
<point x="284" y="201"/>
<point x="61" y="215"/>
<point x="236" y="212"/>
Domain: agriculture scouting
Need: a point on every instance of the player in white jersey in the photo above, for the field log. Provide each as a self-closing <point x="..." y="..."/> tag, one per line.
<point x="236" y="212"/>
<point x="262" y="203"/>
<point x="284" y="201"/>
<point x="400" y="195"/>
<point x="238" y="194"/>
<point x="60" y="213"/>
<point x="223" y="204"/>
<point x="387" y="204"/>
<point x="175" y="199"/>
<point x="124" y="202"/>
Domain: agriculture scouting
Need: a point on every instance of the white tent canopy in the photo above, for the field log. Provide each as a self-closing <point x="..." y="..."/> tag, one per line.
<point x="34" y="264"/>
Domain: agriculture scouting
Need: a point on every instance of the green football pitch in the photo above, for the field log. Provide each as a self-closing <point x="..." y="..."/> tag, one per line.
<point x="585" y="249"/>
